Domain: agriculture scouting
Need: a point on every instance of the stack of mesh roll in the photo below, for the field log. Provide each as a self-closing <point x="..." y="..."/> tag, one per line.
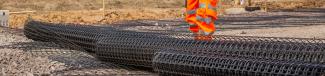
<point x="180" y="62"/>
<point x="138" y="48"/>
<point x="180" y="54"/>
<point x="245" y="56"/>
<point x="104" y="42"/>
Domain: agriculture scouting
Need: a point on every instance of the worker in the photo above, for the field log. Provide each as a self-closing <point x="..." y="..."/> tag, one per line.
<point x="201" y="16"/>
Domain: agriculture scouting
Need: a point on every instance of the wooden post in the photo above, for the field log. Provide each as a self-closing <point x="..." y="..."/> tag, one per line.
<point x="103" y="9"/>
<point x="103" y="5"/>
<point x="249" y="2"/>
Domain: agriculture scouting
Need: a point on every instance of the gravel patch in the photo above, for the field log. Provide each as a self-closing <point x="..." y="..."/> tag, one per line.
<point x="17" y="62"/>
<point x="20" y="56"/>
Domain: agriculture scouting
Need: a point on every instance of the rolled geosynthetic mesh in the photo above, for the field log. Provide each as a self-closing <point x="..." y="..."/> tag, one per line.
<point x="73" y="35"/>
<point x="178" y="62"/>
<point x="148" y="49"/>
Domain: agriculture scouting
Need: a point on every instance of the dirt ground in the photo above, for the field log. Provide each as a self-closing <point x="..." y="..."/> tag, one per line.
<point x="96" y="17"/>
<point x="288" y="4"/>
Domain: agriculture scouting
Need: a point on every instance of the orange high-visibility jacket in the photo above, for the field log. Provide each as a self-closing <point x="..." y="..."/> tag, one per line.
<point x="201" y="15"/>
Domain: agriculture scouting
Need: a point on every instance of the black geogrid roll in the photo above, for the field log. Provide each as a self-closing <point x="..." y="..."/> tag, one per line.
<point x="32" y="30"/>
<point x="67" y="34"/>
<point x="139" y="48"/>
<point x="178" y="62"/>
<point x="287" y="51"/>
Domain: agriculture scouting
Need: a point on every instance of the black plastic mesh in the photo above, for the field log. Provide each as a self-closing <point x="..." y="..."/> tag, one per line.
<point x="178" y="62"/>
<point x="139" y="48"/>
<point x="70" y="35"/>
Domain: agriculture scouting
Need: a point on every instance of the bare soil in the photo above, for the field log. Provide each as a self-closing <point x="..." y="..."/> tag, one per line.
<point x="96" y="17"/>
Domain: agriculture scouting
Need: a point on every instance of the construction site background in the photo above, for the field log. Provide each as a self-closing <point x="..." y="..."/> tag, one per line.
<point x="92" y="12"/>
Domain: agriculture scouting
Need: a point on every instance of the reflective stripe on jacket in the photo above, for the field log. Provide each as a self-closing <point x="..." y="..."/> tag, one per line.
<point x="201" y="14"/>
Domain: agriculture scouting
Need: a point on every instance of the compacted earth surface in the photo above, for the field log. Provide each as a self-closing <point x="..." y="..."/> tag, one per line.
<point x="22" y="56"/>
